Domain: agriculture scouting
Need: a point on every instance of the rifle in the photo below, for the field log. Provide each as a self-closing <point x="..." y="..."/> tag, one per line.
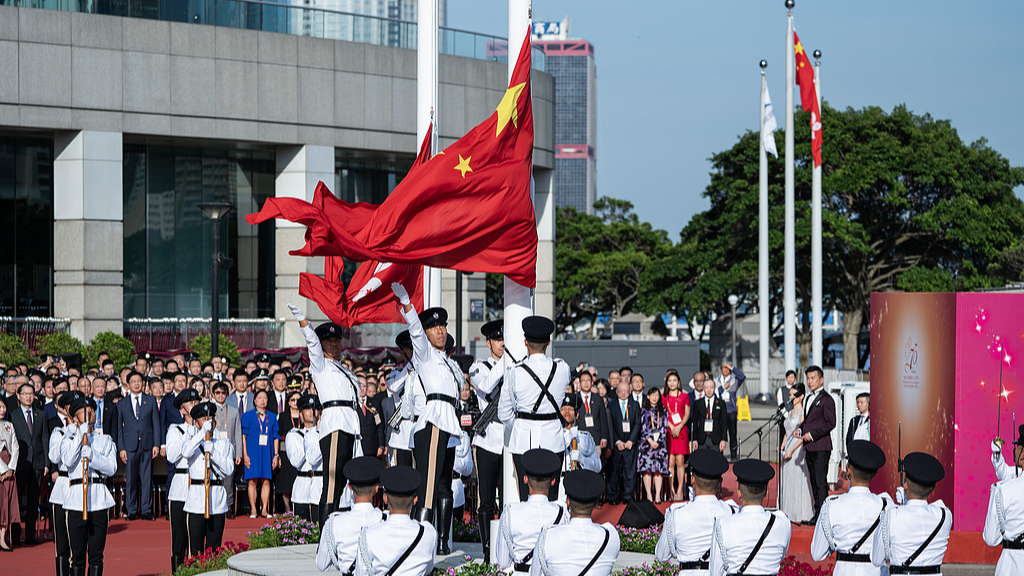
<point x="489" y="414"/>
<point x="899" y="461"/>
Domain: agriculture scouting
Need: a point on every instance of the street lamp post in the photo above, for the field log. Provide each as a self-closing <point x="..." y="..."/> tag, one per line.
<point x="215" y="211"/>
<point x="733" y="300"/>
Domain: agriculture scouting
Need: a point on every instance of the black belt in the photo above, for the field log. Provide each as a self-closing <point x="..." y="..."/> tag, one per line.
<point x="310" y="474"/>
<point x="182" y="470"/>
<point x="442" y="398"/>
<point x="341" y="403"/>
<point x="915" y="569"/>
<point x="62" y="473"/>
<point x="1013" y="545"/>
<point x="851" y="557"/>
<point x="92" y="480"/>
<point x="519" y="567"/>
<point x="201" y="482"/>
<point x="532" y="416"/>
<point x="695" y="565"/>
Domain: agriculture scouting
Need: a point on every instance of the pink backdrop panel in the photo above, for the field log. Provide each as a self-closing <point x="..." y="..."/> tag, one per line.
<point x="985" y="322"/>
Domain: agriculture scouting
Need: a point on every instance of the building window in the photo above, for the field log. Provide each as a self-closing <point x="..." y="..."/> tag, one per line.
<point x="26" y="218"/>
<point x="167" y="239"/>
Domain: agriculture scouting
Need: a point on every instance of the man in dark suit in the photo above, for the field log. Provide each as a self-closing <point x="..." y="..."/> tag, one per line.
<point x="624" y="418"/>
<point x="278" y="399"/>
<point x="169" y="415"/>
<point x="370" y="421"/>
<point x="593" y="417"/>
<point x="860" y="425"/>
<point x="33" y="446"/>
<point x="105" y="410"/>
<point x="138" y="438"/>
<point x="708" y="430"/>
<point x="816" y="431"/>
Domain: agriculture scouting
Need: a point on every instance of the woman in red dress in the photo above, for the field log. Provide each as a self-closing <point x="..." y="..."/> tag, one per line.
<point x="677" y="404"/>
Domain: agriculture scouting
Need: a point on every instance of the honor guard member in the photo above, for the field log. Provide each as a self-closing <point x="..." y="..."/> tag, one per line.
<point x="340" y="538"/>
<point x="338" y="390"/>
<point x="580" y="450"/>
<point x="486" y="375"/>
<point x="399" y="546"/>
<point x="752" y="541"/>
<point x="60" y="486"/>
<point x="303" y="448"/>
<point x="847" y="522"/>
<point x="912" y="538"/>
<point x="531" y="399"/>
<point x="521" y="522"/>
<point x="90" y="458"/>
<point x="580" y="546"/>
<point x="177" y="436"/>
<point x="437" y="429"/>
<point x="689" y="526"/>
<point x="206" y="503"/>
<point x="1004" y="522"/>
<point x="400" y="383"/>
<point x="1003" y="470"/>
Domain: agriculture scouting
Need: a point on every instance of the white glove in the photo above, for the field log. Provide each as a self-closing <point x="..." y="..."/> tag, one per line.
<point x="901" y="496"/>
<point x="574" y="455"/>
<point x="995" y="449"/>
<point x="207" y="427"/>
<point x="296" y="312"/>
<point x="208" y="447"/>
<point x="399" y="291"/>
<point x="86" y="452"/>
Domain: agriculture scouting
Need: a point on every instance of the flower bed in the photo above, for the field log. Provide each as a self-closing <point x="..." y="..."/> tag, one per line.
<point x="210" y="560"/>
<point x="286" y="530"/>
<point x="465" y="530"/>
<point x="641" y="540"/>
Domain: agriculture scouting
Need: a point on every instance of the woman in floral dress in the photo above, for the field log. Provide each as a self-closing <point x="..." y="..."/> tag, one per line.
<point x="653" y="458"/>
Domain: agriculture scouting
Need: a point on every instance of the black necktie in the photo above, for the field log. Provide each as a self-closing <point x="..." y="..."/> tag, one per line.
<point x="28" y="417"/>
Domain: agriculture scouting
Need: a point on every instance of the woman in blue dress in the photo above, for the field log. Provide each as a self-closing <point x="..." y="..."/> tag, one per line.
<point x="260" y="446"/>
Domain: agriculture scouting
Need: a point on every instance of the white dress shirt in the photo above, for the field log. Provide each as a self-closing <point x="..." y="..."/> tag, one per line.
<point x="484" y="375"/>
<point x="735" y="537"/>
<point x="863" y="429"/>
<point x="102" y="462"/>
<point x="60" y="487"/>
<point x="177" y="436"/>
<point x="1005" y="521"/>
<point x="520" y="393"/>
<point x="302" y="445"/>
<point x="686" y="534"/>
<point x="439" y="374"/>
<point x="843" y="521"/>
<point x="339" y="539"/>
<point x="905" y="528"/>
<point x="381" y="545"/>
<point x="222" y="463"/>
<point x="333" y="382"/>
<point x="566" y="550"/>
<point x="520" y="525"/>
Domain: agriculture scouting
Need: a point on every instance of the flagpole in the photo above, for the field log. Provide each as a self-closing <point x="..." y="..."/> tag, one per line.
<point x="426" y="113"/>
<point x="816" y="296"/>
<point x="789" y="279"/>
<point x="763" y="304"/>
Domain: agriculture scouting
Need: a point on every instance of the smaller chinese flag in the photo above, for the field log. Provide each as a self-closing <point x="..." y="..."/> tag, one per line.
<point x="808" y="96"/>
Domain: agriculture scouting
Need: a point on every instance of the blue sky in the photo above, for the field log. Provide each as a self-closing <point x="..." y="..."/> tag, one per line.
<point x="678" y="80"/>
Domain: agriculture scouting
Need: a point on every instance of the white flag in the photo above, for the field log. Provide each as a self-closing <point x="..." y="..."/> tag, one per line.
<point x="768" y="131"/>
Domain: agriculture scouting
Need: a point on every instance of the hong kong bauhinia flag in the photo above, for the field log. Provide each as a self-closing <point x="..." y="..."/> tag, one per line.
<point x="808" y="96"/>
<point x="467" y="208"/>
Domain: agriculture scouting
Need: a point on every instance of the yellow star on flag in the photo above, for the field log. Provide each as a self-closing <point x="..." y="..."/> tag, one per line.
<point x="507" y="109"/>
<point x="799" y="48"/>
<point x="464" y="165"/>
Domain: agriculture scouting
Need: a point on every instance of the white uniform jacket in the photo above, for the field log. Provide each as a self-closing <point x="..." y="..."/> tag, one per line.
<point x="485" y="375"/>
<point x="400" y="382"/>
<point x="735" y="537"/>
<point x="222" y="463"/>
<point x="567" y="550"/>
<point x="520" y="525"/>
<point x="580" y="450"/>
<point x="60" y="486"/>
<point x="102" y="463"/>
<point x="439" y="375"/>
<point x="843" y="522"/>
<point x="333" y="382"/>
<point x="339" y="539"/>
<point x="177" y="435"/>
<point x="1005" y="521"/>
<point x="463" y="467"/>
<point x="520" y="394"/>
<point x="381" y="545"/>
<point x="904" y="529"/>
<point x="687" y="532"/>
<point x="303" y="448"/>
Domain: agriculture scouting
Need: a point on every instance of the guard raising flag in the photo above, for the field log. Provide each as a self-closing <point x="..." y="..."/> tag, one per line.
<point x="531" y="400"/>
<point x="1004" y="522"/>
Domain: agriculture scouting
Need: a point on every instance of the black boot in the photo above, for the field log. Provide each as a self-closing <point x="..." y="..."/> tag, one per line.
<point x="443" y="521"/>
<point x="326" y="510"/>
<point x="95" y="570"/>
<point x="485" y="535"/>
<point x="63" y="565"/>
<point x="78" y="571"/>
<point x="176" y="561"/>
<point x="424" y="515"/>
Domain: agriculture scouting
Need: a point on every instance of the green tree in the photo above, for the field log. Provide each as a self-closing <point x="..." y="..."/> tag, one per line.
<point x="599" y="260"/>
<point x="13" y="350"/>
<point x="120" y="349"/>
<point x="201" y="345"/>
<point x="57" y="343"/>
<point x="906" y="205"/>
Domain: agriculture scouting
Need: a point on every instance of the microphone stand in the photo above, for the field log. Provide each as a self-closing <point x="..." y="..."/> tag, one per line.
<point x="775" y="419"/>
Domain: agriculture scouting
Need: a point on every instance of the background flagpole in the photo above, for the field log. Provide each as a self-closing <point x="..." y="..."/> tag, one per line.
<point x="816" y="296"/>
<point x="763" y="304"/>
<point x="789" y="280"/>
<point x="426" y="113"/>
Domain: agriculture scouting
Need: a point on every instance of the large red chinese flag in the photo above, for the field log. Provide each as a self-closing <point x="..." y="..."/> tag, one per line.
<point x="808" y="96"/>
<point x="363" y="301"/>
<point x="468" y="208"/>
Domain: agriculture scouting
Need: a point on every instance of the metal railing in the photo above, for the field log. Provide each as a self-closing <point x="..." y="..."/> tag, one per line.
<point x="31" y="328"/>
<point x="176" y="333"/>
<point x="290" y="19"/>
